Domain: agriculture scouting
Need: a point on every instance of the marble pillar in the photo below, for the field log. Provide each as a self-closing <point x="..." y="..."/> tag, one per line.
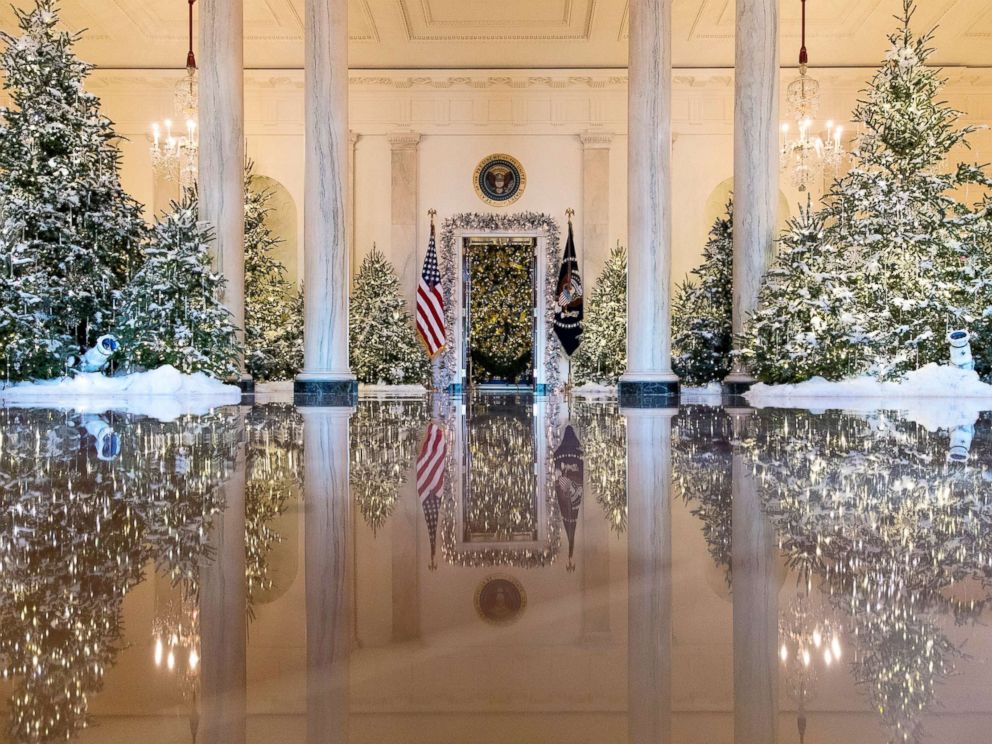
<point x="224" y="621"/>
<point x="595" y="242"/>
<point x="222" y="147"/>
<point x="756" y="166"/>
<point x="755" y="607"/>
<point x="649" y="375"/>
<point x="326" y="377"/>
<point x="649" y="575"/>
<point x="405" y="166"/>
<point x="328" y="572"/>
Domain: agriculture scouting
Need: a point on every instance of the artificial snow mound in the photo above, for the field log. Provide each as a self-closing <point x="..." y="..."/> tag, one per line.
<point x="931" y="381"/>
<point x="934" y="396"/>
<point x="164" y="393"/>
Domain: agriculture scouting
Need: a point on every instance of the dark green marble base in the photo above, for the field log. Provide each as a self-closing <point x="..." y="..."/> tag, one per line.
<point x="736" y="389"/>
<point x="325" y="393"/>
<point x="651" y="394"/>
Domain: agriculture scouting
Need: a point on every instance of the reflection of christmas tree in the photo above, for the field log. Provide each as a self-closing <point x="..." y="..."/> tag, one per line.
<point x="701" y="463"/>
<point x="502" y="302"/>
<point x="860" y="501"/>
<point x="385" y="435"/>
<point x="603" y="432"/>
<point x="77" y="525"/>
<point x="274" y="463"/>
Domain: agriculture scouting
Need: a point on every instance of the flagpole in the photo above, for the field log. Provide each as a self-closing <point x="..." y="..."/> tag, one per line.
<point x="570" y="213"/>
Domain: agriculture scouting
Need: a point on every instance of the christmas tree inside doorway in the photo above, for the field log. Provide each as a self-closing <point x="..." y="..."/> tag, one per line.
<point x="499" y="294"/>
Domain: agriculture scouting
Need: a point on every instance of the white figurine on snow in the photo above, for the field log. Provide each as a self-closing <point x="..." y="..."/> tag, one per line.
<point x="961" y="349"/>
<point x="108" y="441"/>
<point x="97" y="358"/>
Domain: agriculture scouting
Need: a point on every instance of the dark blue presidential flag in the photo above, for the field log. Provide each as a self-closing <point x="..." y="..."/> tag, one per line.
<point x="568" y="299"/>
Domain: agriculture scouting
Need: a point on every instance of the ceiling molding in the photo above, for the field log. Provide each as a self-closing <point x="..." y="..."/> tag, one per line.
<point x="492" y="29"/>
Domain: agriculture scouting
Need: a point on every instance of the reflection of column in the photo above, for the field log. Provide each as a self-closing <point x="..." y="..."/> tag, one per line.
<point x="755" y="599"/>
<point x="649" y="574"/>
<point x="224" y="621"/>
<point x="595" y="213"/>
<point x="222" y="144"/>
<point x="649" y="209"/>
<point x="755" y="160"/>
<point x="328" y="587"/>
<point x="326" y="280"/>
<point x="406" y="566"/>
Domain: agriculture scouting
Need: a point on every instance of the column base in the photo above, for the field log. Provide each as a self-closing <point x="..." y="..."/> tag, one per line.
<point x="247" y="385"/>
<point x="324" y="392"/>
<point x="737" y="383"/>
<point x="659" y="392"/>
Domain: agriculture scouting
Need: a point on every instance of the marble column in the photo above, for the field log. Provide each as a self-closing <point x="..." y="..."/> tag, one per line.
<point x="328" y="571"/>
<point x="405" y="166"/>
<point x="649" y="375"/>
<point x="755" y="607"/>
<point x="326" y="377"/>
<point x="595" y="242"/>
<point x="222" y="147"/>
<point x="649" y="575"/>
<point x="224" y="621"/>
<point x="756" y="167"/>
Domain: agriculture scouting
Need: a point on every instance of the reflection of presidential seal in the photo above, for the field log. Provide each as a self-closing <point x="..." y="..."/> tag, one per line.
<point x="500" y="600"/>
<point x="499" y="180"/>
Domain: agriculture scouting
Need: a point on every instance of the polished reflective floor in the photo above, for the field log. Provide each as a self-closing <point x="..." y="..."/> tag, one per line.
<point x="495" y="569"/>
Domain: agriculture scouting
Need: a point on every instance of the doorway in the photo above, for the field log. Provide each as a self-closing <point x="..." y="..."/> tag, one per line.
<point x="500" y="286"/>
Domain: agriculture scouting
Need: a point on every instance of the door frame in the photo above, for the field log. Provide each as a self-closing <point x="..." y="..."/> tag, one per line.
<point x="466" y="324"/>
<point x="461" y="310"/>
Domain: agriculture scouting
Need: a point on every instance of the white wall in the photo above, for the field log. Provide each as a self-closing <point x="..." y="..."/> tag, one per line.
<point x="536" y="116"/>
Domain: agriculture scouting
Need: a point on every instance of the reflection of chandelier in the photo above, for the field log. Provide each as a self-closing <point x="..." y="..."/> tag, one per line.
<point x="808" y="639"/>
<point x="805" y="153"/>
<point x="176" y="643"/>
<point x="174" y="152"/>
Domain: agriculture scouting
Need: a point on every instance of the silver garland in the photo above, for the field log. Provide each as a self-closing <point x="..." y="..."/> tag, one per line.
<point x="446" y="372"/>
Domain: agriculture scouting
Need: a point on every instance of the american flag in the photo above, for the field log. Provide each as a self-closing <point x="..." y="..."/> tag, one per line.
<point x="430" y="303"/>
<point x="430" y="479"/>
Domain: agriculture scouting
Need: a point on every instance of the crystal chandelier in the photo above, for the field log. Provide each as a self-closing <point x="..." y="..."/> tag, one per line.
<point x="805" y="153"/>
<point x="176" y="643"/>
<point x="174" y="150"/>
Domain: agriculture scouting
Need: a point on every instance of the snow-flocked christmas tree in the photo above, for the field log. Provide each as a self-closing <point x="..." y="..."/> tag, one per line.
<point x="61" y="197"/>
<point x="171" y="312"/>
<point x="602" y="357"/>
<point x="899" y="261"/>
<point x="384" y="348"/>
<point x="702" y="313"/>
<point x="273" y="304"/>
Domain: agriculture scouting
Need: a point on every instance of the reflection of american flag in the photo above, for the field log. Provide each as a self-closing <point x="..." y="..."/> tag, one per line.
<point x="430" y="303"/>
<point x="430" y="478"/>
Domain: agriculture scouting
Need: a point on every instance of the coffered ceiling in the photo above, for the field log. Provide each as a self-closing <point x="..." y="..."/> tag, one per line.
<point x="519" y="33"/>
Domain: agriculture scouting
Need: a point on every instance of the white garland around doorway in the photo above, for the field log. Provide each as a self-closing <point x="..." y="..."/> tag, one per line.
<point x="448" y="370"/>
